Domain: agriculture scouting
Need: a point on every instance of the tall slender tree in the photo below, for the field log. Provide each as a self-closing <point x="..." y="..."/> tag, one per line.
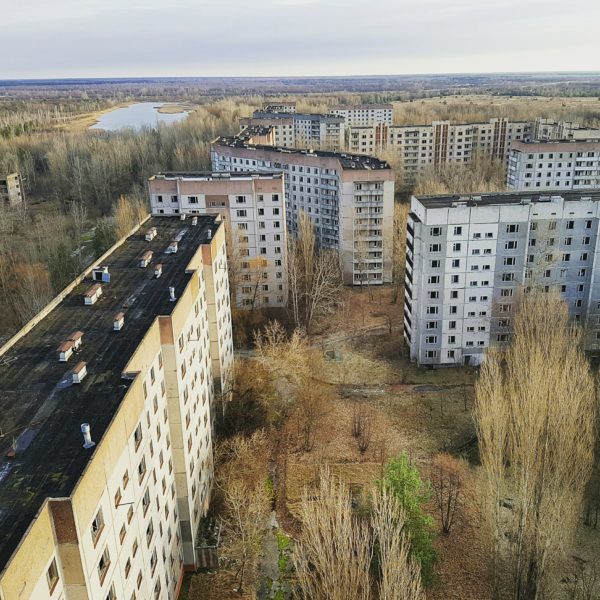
<point x="535" y="416"/>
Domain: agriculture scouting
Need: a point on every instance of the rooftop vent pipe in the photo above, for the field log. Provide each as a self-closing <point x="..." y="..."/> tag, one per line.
<point x="87" y="438"/>
<point x="172" y="294"/>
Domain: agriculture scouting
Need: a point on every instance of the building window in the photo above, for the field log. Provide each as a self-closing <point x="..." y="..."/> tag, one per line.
<point x="137" y="436"/>
<point x="103" y="565"/>
<point x="149" y="533"/>
<point x="52" y="575"/>
<point x="97" y="526"/>
<point x="127" y="568"/>
<point x="142" y="469"/>
<point x="153" y="561"/>
<point x="146" y="501"/>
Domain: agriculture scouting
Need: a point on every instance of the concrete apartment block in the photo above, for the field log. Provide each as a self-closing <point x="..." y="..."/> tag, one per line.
<point x="281" y="106"/>
<point x="561" y="165"/>
<point x="423" y="147"/>
<point x="545" y="130"/>
<point x="349" y="198"/>
<point x="299" y="130"/>
<point x="11" y="189"/>
<point x="364" y="114"/>
<point x="469" y="257"/>
<point x="253" y="208"/>
<point x="104" y="489"/>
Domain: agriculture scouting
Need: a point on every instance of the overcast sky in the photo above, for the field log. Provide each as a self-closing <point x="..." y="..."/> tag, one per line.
<point x="128" y="38"/>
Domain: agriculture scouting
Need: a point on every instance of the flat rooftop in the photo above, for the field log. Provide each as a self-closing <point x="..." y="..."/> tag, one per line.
<point x="362" y="107"/>
<point x="501" y="198"/>
<point x="39" y="407"/>
<point x="264" y="114"/>
<point x="252" y="130"/>
<point x="216" y="175"/>
<point x="556" y="145"/>
<point x="347" y="161"/>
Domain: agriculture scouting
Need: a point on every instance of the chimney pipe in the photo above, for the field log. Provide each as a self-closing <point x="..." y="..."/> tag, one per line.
<point x="87" y="438"/>
<point x="172" y="294"/>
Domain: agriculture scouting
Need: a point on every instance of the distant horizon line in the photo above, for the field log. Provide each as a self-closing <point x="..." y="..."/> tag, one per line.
<point x="292" y="77"/>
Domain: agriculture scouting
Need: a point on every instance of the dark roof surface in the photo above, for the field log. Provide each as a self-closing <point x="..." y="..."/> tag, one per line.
<point x="347" y="160"/>
<point x="42" y="411"/>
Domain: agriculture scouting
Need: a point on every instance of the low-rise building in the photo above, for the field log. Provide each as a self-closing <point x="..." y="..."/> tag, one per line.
<point x="253" y="208"/>
<point x="349" y="198"/>
<point x="469" y="257"/>
<point x="364" y="114"/>
<point x="108" y="470"/>
<point x="11" y="189"/>
<point x="560" y="165"/>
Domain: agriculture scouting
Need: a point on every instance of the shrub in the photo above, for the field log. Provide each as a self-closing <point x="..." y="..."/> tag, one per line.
<point x="404" y="481"/>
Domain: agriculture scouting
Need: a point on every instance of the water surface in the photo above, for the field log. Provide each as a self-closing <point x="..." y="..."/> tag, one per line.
<point x="141" y="114"/>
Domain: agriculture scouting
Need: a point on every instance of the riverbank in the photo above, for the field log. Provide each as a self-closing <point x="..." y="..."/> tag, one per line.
<point x="84" y="121"/>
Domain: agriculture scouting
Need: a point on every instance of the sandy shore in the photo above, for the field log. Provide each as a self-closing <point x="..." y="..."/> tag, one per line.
<point x="170" y="109"/>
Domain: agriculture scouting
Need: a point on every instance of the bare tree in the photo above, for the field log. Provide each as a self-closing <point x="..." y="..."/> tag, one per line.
<point x="240" y="479"/>
<point x="535" y="411"/>
<point x="361" y="426"/>
<point x="309" y="410"/>
<point x="583" y="583"/>
<point x="333" y="554"/>
<point x="400" y="575"/>
<point x="245" y="524"/>
<point x="446" y="478"/>
<point x="314" y="276"/>
<point x="78" y="213"/>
